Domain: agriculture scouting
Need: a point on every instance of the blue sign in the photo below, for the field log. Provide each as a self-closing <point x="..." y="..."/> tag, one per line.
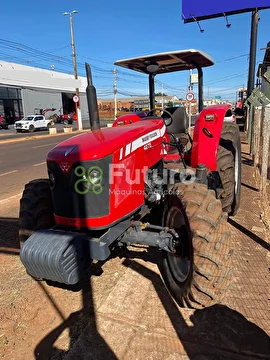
<point x="201" y="10"/>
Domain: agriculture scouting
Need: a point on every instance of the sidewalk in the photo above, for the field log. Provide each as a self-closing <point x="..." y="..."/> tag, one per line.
<point x="135" y="318"/>
<point x="11" y="135"/>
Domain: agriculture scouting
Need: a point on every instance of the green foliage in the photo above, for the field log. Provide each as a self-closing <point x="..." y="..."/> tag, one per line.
<point x="160" y="94"/>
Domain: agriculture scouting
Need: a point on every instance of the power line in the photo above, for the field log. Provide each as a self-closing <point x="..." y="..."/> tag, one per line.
<point x="44" y="59"/>
<point x="232" y="58"/>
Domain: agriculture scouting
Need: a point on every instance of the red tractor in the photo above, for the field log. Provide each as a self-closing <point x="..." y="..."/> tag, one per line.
<point x="111" y="187"/>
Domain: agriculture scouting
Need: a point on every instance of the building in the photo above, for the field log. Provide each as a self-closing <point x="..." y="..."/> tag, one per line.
<point x="28" y="90"/>
<point x="137" y="102"/>
<point x="263" y="80"/>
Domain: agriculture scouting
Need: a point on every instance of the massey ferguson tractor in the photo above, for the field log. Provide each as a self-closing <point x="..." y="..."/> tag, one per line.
<point x="116" y="187"/>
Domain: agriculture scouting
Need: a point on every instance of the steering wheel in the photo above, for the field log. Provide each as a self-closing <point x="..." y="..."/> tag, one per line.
<point x="164" y="111"/>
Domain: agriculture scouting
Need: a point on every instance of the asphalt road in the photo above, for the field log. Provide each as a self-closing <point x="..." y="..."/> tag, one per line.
<point x="12" y="134"/>
<point x="22" y="161"/>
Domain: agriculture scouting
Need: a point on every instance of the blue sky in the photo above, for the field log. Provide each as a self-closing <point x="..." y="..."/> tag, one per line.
<point x="36" y="33"/>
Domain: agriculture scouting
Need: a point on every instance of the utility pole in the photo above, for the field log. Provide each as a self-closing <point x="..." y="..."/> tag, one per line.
<point x="77" y="104"/>
<point x="252" y="52"/>
<point x="115" y="92"/>
<point x="189" y="104"/>
<point x="162" y="95"/>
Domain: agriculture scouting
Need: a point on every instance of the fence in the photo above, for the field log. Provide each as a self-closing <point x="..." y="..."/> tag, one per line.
<point x="258" y="132"/>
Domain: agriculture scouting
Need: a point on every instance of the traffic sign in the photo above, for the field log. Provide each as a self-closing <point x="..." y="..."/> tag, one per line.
<point x="75" y="98"/>
<point x="189" y="96"/>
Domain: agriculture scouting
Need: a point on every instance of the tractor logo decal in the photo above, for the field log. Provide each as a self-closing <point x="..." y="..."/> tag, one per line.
<point x="65" y="166"/>
<point x="88" y="180"/>
<point x="142" y="141"/>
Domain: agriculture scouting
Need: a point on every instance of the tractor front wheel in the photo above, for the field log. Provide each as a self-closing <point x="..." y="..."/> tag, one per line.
<point x="36" y="209"/>
<point x="199" y="273"/>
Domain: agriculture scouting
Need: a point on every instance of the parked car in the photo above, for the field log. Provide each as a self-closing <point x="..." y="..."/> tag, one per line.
<point x="3" y="123"/>
<point x="31" y="123"/>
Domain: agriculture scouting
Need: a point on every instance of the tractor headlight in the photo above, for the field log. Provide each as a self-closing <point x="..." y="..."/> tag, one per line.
<point x="51" y="179"/>
<point x="95" y="175"/>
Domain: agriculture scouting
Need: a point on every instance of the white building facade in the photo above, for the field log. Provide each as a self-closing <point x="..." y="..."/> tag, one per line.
<point x="28" y="90"/>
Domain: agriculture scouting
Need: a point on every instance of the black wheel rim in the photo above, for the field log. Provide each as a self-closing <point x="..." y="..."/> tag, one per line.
<point x="180" y="263"/>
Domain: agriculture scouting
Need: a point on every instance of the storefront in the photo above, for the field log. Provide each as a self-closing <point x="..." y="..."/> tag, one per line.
<point x="11" y="104"/>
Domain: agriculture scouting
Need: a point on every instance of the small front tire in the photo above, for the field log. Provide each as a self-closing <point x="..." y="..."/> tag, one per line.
<point x="36" y="209"/>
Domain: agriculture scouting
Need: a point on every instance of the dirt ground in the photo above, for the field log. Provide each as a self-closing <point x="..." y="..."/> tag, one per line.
<point x="36" y="317"/>
<point x="121" y="309"/>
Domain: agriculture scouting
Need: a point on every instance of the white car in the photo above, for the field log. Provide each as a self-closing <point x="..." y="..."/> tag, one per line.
<point x="31" y="123"/>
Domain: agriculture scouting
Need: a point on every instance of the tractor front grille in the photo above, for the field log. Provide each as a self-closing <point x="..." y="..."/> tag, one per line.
<point x="80" y="190"/>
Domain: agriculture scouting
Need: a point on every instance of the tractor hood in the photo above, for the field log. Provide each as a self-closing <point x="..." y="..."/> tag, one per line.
<point x="98" y="144"/>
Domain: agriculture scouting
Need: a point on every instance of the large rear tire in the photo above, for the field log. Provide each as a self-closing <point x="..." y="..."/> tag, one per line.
<point x="36" y="209"/>
<point x="199" y="274"/>
<point x="229" y="167"/>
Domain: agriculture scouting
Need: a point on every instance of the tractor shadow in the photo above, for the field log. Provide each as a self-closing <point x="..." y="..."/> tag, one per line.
<point x="216" y="331"/>
<point x="9" y="243"/>
<point x="77" y="321"/>
<point x="95" y="347"/>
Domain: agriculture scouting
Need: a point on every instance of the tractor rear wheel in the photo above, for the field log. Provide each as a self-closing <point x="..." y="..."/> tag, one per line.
<point x="199" y="273"/>
<point x="229" y="167"/>
<point x="36" y="209"/>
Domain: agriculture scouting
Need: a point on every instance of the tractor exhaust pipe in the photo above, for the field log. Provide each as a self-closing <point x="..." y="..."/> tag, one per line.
<point x="91" y="96"/>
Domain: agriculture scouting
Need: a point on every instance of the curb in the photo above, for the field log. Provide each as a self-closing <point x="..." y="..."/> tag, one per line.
<point x="76" y="132"/>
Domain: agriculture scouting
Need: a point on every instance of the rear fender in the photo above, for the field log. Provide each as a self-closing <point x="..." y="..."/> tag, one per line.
<point x="206" y="137"/>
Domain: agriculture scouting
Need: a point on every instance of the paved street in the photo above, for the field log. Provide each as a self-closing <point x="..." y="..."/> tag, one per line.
<point x="10" y="133"/>
<point x="25" y="160"/>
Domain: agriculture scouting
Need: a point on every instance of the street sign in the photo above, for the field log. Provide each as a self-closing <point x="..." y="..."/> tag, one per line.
<point x="194" y="79"/>
<point x="189" y="96"/>
<point x="75" y="98"/>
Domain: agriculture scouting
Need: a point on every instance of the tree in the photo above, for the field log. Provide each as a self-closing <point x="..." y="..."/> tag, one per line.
<point x="160" y="94"/>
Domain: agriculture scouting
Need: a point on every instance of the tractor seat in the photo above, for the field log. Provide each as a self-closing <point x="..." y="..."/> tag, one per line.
<point x="179" y="120"/>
